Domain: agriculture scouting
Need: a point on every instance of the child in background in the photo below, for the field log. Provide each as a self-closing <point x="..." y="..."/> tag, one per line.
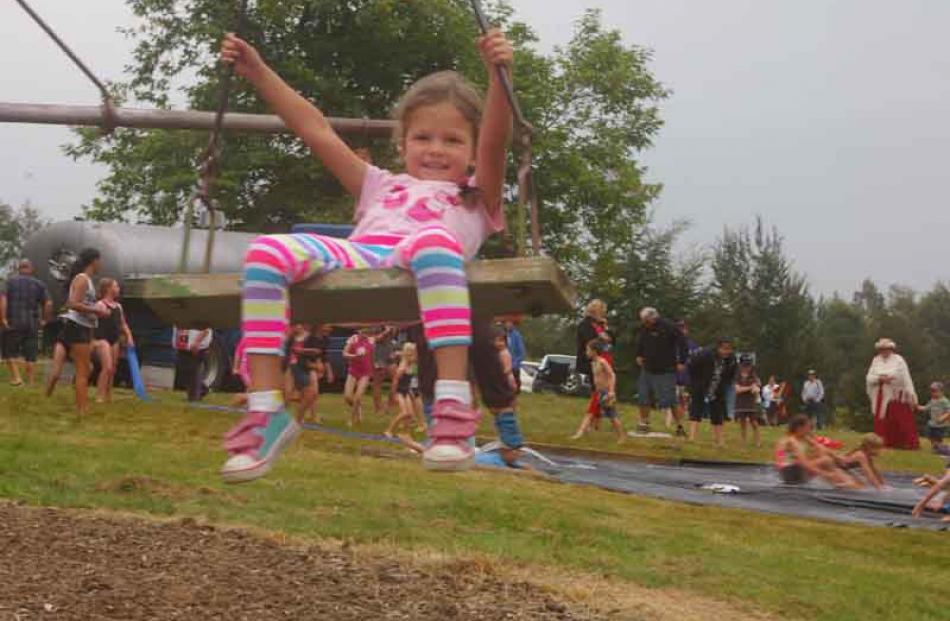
<point x="407" y="395"/>
<point x="384" y="368"/>
<point x="938" y="425"/>
<point x="797" y="464"/>
<point x="358" y="354"/>
<point x="500" y="339"/>
<point x="748" y="389"/>
<point x="429" y="220"/>
<point x="605" y="381"/>
<point x="863" y="457"/>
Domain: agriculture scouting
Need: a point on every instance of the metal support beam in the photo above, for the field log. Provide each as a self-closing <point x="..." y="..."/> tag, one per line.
<point x="140" y="118"/>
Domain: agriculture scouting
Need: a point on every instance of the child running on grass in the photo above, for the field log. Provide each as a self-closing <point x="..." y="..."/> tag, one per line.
<point x="428" y="220"/>
<point x="605" y="381"/>
<point x="358" y="354"/>
<point x="407" y="392"/>
<point x="797" y="464"/>
<point x="863" y="457"/>
<point x="938" y="424"/>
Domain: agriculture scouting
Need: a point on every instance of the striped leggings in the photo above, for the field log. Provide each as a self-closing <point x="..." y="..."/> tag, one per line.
<point x="274" y="262"/>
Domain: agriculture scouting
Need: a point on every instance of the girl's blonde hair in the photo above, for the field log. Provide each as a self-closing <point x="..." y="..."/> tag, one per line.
<point x="594" y="306"/>
<point x="409" y="352"/>
<point x="436" y="88"/>
<point x="872" y="441"/>
<point x="105" y="285"/>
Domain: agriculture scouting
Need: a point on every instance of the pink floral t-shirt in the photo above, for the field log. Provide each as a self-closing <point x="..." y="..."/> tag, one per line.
<point x="391" y="204"/>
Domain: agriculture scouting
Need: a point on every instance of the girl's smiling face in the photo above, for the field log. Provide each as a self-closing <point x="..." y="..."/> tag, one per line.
<point x="439" y="144"/>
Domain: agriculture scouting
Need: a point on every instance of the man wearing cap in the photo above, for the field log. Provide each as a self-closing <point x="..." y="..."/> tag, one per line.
<point x="661" y="351"/>
<point x="813" y="396"/>
<point x="24" y="305"/>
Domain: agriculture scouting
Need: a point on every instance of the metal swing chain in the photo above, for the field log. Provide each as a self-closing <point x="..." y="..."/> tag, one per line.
<point x="208" y="167"/>
<point x="108" y="107"/>
<point x="527" y="194"/>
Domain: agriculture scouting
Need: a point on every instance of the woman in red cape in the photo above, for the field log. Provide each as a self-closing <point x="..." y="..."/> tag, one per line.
<point x="893" y="398"/>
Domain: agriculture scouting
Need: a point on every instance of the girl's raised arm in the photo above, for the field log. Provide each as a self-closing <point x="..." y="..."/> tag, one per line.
<point x="301" y="116"/>
<point x="495" y="132"/>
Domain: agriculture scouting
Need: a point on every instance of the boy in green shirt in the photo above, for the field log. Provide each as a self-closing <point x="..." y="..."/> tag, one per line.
<point x="938" y="408"/>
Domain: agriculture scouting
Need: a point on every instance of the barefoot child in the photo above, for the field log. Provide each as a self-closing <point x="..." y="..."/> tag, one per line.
<point x="358" y="354"/>
<point x="605" y="381"/>
<point x="797" y="464"/>
<point x="407" y="393"/>
<point x="863" y="457"/>
<point x="428" y="220"/>
<point x="938" y="424"/>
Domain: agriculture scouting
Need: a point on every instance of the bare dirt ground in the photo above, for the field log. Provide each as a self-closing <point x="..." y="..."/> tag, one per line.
<point x="57" y="564"/>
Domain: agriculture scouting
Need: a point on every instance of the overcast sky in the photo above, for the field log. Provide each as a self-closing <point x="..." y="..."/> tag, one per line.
<point x="828" y="117"/>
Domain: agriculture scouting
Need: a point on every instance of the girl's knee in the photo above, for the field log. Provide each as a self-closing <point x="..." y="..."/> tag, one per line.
<point x="436" y="238"/>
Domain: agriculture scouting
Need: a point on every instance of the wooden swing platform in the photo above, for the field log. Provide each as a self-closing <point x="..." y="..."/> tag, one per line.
<point x="526" y="286"/>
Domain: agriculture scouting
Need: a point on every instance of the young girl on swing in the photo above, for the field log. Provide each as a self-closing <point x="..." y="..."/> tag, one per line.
<point x="428" y="220"/>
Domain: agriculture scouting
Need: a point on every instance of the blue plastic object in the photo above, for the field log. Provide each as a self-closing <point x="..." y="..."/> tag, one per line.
<point x="135" y="372"/>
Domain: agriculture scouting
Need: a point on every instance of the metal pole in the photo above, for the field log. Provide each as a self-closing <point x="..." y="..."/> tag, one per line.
<point x="141" y="118"/>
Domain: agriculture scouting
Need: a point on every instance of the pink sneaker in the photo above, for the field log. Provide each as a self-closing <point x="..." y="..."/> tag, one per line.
<point x="452" y="437"/>
<point x="255" y="443"/>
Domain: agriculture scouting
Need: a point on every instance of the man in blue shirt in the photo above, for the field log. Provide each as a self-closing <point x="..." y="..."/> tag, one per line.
<point x="21" y="303"/>
<point x="517" y="350"/>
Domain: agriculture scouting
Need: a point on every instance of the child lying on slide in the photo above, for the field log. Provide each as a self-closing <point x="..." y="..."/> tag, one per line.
<point x="863" y="458"/>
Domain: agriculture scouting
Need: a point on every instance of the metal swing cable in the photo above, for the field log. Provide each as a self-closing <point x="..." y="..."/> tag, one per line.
<point x="527" y="195"/>
<point x="209" y="160"/>
<point x="109" y="111"/>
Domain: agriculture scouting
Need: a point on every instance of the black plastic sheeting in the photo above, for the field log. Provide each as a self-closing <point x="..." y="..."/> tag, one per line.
<point x="759" y="489"/>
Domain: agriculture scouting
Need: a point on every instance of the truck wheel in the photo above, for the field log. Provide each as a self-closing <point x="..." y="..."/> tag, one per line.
<point x="217" y="367"/>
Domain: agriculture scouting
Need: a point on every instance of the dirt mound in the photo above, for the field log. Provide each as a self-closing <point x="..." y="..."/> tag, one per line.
<point x="57" y="564"/>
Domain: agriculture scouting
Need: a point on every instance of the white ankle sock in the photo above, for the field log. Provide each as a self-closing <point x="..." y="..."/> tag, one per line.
<point x="265" y="401"/>
<point x="453" y="390"/>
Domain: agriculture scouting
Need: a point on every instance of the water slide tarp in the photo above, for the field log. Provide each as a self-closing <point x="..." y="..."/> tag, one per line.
<point x="753" y="487"/>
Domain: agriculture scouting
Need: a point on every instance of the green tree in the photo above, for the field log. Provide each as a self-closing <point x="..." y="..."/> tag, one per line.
<point x="16" y="226"/>
<point x="843" y="348"/>
<point x="592" y="102"/>
<point x="761" y="300"/>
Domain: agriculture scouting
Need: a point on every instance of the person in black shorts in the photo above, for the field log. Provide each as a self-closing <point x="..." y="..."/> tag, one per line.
<point x="711" y="371"/>
<point x="24" y="305"/>
<point x="79" y="321"/>
<point x="307" y="367"/>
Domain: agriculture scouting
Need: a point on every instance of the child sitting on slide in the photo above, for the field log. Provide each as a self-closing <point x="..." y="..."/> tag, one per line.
<point x="799" y="460"/>
<point x="429" y="220"/>
<point x="863" y="458"/>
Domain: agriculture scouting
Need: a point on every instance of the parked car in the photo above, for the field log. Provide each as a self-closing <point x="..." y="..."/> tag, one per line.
<point x="557" y="373"/>
<point x="529" y="369"/>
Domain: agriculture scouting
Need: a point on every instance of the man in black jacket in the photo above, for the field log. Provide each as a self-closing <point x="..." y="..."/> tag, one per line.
<point x="661" y="352"/>
<point x="711" y="371"/>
